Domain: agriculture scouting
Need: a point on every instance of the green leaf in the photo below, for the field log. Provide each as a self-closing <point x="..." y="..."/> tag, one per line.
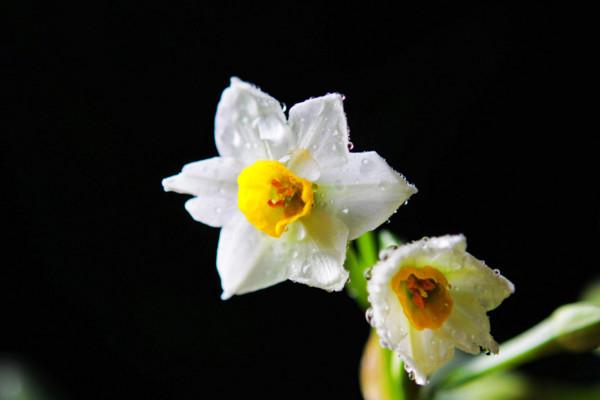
<point x="572" y="328"/>
<point x="357" y="284"/>
<point x="358" y="261"/>
<point x="367" y="248"/>
<point x="512" y="386"/>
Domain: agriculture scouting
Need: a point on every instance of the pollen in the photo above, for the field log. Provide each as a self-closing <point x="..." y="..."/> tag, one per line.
<point x="272" y="197"/>
<point x="423" y="294"/>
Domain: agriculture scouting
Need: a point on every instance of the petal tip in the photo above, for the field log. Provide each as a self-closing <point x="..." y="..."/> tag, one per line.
<point x="166" y="183"/>
<point x="226" y="295"/>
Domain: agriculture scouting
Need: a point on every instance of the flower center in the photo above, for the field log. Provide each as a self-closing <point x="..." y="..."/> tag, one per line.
<point x="272" y="197"/>
<point x="423" y="293"/>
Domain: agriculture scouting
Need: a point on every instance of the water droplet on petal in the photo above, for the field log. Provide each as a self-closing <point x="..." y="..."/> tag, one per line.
<point x="368" y="273"/>
<point x="295" y="254"/>
<point x="305" y="268"/>
<point x="283" y="107"/>
<point x="382" y="186"/>
<point x="350" y="146"/>
<point x="369" y="315"/>
<point x="300" y="232"/>
<point x="387" y="252"/>
<point x="497" y="272"/>
<point x="365" y="166"/>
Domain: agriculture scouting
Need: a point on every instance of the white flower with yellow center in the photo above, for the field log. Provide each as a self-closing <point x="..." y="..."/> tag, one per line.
<point x="287" y="192"/>
<point x="430" y="296"/>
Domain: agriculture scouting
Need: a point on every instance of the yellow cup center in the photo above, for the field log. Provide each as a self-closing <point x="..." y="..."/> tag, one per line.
<point x="272" y="197"/>
<point x="423" y="294"/>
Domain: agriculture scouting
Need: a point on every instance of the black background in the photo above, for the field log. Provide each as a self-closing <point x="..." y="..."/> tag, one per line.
<point x="109" y="289"/>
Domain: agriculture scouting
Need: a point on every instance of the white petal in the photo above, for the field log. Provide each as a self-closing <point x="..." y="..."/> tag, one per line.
<point x="247" y="259"/>
<point x="304" y="165"/>
<point x="320" y="127"/>
<point x="321" y="247"/>
<point x="250" y="125"/>
<point x="365" y="191"/>
<point x="214" y="181"/>
<point x="467" y="274"/>
<point x="424" y="352"/>
<point x="468" y="324"/>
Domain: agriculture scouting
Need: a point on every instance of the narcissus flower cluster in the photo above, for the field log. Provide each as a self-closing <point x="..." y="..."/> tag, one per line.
<point x="289" y="194"/>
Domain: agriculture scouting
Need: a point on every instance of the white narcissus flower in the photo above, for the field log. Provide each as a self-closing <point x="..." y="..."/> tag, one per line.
<point x="430" y="296"/>
<point x="286" y="191"/>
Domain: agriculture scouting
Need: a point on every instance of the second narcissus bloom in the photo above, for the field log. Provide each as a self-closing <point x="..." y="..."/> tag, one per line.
<point x="430" y="296"/>
<point x="287" y="192"/>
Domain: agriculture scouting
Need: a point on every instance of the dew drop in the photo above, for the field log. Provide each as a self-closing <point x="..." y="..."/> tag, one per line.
<point x="382" y="186"/>
<point x="365" y="166"/>
<point x="305" y="268"/>
<point x="283" y="107"/>
<point x="369" y="315"/>
<point x="300" y="232"/>
<point x="350" y="146"/>
<point x="387" y="252"/>
<point x="497" y="272"/>
<point x="295" y="254"/>
<point x="368" y="273"/>
<point x="345" y="210"/>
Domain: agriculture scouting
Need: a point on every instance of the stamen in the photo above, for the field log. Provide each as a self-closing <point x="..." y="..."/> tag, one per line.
<point x="423" y="294"/>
